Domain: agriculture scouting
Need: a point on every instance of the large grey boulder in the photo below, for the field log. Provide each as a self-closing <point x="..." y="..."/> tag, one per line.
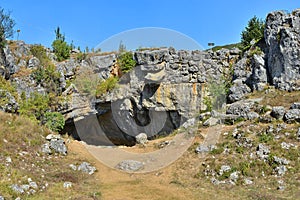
<point x="59" y="146"/>
<point x="238" y="91"/>
<point x="240" y="108"/>
<point x="102" y="64"/>
<point x="151" y="57"/>
<point x="278" y="112"/>
<point x="55" y="143"/>
<point x="86" y="168"/>
<point x="292" y="115"/>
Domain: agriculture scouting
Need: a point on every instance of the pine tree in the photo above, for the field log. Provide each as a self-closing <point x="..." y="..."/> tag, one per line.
<point x="254" y="30"/>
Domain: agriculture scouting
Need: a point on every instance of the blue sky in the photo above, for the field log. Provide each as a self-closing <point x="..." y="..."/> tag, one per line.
<point x="90" y="22"/>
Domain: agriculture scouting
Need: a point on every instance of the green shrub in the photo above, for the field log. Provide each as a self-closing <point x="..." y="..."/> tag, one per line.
<point x="54" y="121"/>
<point x="218" y="150"/>
<point x="106" y="85"/>
<point x="245" y="168"/>
<point x="255" y="51"/>
<point x="35" y="106"/>
<point x="217" y="96"/>
<point x="40" y="53"/>
<point x="60" y="47"/>
<point x="48" y="77"/>
<point x="81" y="56"/>
<point x="208" y="103"/>
<point x="6" y="86"/>
<point x="126" y="61"/>
<point x="265" y="138"/>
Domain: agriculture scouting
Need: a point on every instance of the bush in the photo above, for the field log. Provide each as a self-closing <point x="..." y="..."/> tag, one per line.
<point x="255" y="51"/>
<point x="60" y="46"/>
<point x="5" y="86"/>
<point x="253" y="31"/>
<point x="54" y="121"/>
<point x="35" y="106"/>
<point x="86" y="82"/>
<point x="40" y="53"/>
<point x="48" y="77"/>
<point x="106" y="85"/>
<point x="126" y="62"/>
<point x="46" y="73"/>
<point x="81" y="56"/>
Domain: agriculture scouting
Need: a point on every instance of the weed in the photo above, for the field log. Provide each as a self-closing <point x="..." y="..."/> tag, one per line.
<point x="265" y="138"/>
<point x="218" y="150"/>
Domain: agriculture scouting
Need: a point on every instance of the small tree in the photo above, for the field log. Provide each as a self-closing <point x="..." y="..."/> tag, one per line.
<point x="60" y="46"/>
<point x="254" y="30"/>
<point x="126" y="61"/>
<point x="6" y="27"/>
<point x="54" y="121"/>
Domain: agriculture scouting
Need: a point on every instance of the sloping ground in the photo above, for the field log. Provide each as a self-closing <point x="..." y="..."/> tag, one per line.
<point x="190" y="177"/>
<point x="21" y="159"/>
<point x="185" y="178"/>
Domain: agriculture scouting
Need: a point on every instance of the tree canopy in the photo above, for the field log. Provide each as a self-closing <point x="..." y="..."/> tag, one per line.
<point x="60" y="46"/>
<point x="6" y="27"/>
<point x="254" y="30"/>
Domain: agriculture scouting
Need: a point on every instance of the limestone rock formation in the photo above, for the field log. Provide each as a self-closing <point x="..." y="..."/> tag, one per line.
<point x="282" y="35"/>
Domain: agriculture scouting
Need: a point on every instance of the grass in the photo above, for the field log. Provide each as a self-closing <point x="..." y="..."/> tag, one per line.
<point x="276" y="97"/>
<point x="23" y="72"/>
<point x="21" y="140"/>
<point x="183" y="179"/>
<point x="264" y="187"/>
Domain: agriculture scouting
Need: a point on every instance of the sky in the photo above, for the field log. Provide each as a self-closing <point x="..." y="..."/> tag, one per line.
<point x="182" y="24"/>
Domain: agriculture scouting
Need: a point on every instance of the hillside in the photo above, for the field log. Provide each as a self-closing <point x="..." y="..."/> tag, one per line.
<point x="156" y="123"/>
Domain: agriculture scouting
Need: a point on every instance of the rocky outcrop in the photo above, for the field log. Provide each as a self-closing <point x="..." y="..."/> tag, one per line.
<point x="164" y="90"/>
<point x="167" y="87"/>
<point x="282" y="35"/>
<point x="274" y="60"/>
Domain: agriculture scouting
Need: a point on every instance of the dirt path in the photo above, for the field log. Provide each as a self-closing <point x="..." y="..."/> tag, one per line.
<point x="117" y="185"/>
<point x="158" y="184"/>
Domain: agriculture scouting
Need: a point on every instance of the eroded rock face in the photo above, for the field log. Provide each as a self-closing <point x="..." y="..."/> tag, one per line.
<point x="282" y="35"/>
<point x="165" y="89"/>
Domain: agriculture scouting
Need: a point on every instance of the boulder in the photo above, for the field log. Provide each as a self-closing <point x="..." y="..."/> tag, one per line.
<point x="295" y="105"/>
<point x="67" y="184"/>
<point x="130" y="165"/>
<point x="86" y="168"/>
<point x="241" y="108"/>
<point x="58" y="146"/>
<point x="211" y="122"/>
<point x="141" y="138"/>
<point x="262" y="152"/>
<point x="278" y="112"/>
<point x="33" y="62"/>
<point x="238" y="91"/>
<point x="9" y="103"/>
<point x="292" y="115"/>
<point x="202" y="148"/>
